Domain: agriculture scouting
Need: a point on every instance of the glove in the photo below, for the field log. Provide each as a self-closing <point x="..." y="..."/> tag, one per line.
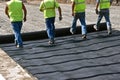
<point x="96" y="11"/>
<point x="60" y="18"/>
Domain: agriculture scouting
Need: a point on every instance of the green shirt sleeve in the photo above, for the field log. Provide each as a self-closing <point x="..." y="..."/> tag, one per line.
<point x="57" y="4"/>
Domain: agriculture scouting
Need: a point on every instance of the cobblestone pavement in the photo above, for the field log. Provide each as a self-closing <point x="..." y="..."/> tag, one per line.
<point x="35" y="20"/>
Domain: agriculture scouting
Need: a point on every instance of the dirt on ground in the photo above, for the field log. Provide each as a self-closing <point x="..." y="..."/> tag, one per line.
<point x="35" y="20"/>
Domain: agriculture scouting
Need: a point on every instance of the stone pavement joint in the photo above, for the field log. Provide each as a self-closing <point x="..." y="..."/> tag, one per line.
<point x="10" y="70"/>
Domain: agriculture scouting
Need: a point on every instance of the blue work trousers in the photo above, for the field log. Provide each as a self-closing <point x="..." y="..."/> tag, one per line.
<point x="81" y="17"/>
<point x="50" y="27"/>
<point x="17" y="26"/>
<point x="105" y="13"/>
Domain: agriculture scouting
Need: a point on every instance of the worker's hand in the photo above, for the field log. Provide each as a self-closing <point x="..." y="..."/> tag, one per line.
<point x="24" y="19"/>
<point x="73" y="14"/>
<point x="8" y="16"/>
<point x="96" y="11"/>
<point x="60" y="18"/>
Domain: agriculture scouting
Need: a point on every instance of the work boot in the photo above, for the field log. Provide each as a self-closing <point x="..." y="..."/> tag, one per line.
<point x="95" y="27"/>
<point x="19" y="46"/>
<point x="84" y="36"/>
<point x="50" y="42"/>
<point x="71" y="31"/>
<point x="109" y="31"/>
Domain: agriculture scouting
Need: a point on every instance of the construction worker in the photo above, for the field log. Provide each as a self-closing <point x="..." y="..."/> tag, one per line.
<point x="48" y="8"/>
<point x="103" y="10"/>
<point x="78" y="12"/>
<point x="16" y="12"/>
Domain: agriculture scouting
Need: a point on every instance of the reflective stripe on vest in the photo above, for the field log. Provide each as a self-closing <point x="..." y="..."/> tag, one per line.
<point x="15" y="10"/>
<point x="104" y="4"/>
<point x="79" y="6"/>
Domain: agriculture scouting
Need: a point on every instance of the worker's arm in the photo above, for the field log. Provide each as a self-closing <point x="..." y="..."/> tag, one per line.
<point x="60" y="13"/>
<point x="41" y="8"/>
<point x="25" y="11"/>
<point x="73" y="5"/>
<point x="6" y="11"/>
<point x="97" y="5"/>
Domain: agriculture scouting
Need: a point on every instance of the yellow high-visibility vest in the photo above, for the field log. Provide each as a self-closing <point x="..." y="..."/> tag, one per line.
<point x="80" y="6"/>
<point x="104" y="4"/>
<point x="15" y="10"/>
<point x="48" y="7"/>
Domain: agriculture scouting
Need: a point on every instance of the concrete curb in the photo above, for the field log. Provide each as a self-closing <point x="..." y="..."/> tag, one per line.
<point x="42" y="34"/>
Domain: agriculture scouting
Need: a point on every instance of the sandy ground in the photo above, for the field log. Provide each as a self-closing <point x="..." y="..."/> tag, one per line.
<point x="10" y="70"/>
<point x="35" y="20"/>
